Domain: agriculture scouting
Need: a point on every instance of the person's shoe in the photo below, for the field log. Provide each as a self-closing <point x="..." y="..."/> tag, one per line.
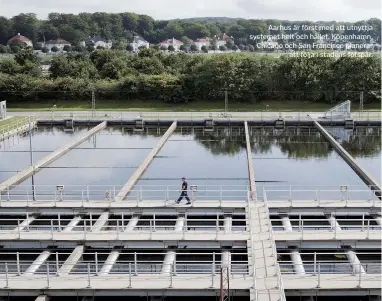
<point x="188" y="203"/>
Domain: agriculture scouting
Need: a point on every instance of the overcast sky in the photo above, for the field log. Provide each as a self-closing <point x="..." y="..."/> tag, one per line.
<point x="314" y="10"/>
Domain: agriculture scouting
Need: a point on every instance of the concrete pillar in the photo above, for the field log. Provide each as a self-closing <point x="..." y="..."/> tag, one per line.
<point x="226" y="258"/>
<point x="37" y="263"/>
<point x="42" y="298"/>
<point x="228" y="223"/>
<point x="168" y="262"/>
<point x="378" y="220"/>
<point x="132" y="223"/>
<point x="333" y="223"/>
<point x="297" y="262"/>
<point x="108" y="265"/>
<point x="354" y="261"/>
<point x="25" y="223"/>
<point x="73" y="223"/>
<point x="286" y="223"/>
<point x="179" y="225"/>
<point x="72" y="260"/>
<point x="101" y="222"/>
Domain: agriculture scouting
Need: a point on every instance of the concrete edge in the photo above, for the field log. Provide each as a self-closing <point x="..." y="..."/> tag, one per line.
<point x="22" y="175"/>
<point x="146" y="162"/>
<point x="15" y="131"/>
<point x="251" y="171"/>
<point x="363" y="174"/>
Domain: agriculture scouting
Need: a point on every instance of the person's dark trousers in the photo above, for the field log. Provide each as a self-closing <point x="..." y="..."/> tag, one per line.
<point x="183" y="195"/>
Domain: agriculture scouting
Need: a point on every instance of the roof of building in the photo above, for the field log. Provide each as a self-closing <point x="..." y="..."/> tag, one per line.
<point x="225" y="37"/>
<point x="19" y="38"/>
<point x="203" y="40"/>
<point x="171" y="41"/>
<point x="58" y="42"/>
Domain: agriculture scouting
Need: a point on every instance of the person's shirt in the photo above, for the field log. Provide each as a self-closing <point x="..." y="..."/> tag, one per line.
<point x="184" y="185"/>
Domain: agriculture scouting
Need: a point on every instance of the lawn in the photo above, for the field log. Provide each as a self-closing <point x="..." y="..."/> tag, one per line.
<point x="135" y="105"/>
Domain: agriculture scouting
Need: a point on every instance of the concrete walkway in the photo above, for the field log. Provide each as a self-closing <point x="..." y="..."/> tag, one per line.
<point x="364" y="175"/>
<point x="146" y="162"/>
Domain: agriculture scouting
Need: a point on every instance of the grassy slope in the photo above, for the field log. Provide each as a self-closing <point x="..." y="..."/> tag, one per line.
<point x="194" y="106"/>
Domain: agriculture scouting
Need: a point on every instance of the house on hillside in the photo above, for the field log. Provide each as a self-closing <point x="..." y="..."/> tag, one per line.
<point x="139" y="42"/>
<point x="222" y="40"/>
<point x="202" y="42"/>
<point x="59" y="43"/>
<point x="97" y="41"/>
<point x="21" y="39"/>
<point x="174" y="42"/>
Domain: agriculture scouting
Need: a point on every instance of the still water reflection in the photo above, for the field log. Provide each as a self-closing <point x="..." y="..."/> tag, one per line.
<point x="214" y="161"/>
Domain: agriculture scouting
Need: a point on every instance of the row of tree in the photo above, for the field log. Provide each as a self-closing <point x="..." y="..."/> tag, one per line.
<point x="16" y="47"/>
<point x="124" y="26"/>
<point x="154" y="75"/>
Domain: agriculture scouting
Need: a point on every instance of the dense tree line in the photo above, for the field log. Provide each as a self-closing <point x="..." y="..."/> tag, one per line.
<point x="123" y="26"/>
<point x="179" y="78"/>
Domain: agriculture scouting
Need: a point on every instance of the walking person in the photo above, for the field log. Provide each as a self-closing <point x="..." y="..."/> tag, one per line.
<point x="184" y="193"/>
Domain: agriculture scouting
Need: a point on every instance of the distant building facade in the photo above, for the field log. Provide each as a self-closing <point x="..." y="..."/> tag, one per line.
<point x="139" y="42"/>
<point x="222" y="40"/>
<point x="174" y="42"/>
<point x="97" y="41"/>
<point x="202" y="42"/>
<point x="59" y="43"/>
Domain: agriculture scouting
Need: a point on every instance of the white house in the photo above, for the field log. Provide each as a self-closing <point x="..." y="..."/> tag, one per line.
<point x="59" y="43"/>
<point x="139" y="42"/>
<point x="97" y="41"/>
<point x="174" y="42"/>
<point x="202" y="42"/>
<point x="222" y="40"/>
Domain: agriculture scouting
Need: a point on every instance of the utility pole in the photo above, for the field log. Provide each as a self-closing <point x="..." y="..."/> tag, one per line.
<point x="361" y="102"/>
<point x="93" y="103"/>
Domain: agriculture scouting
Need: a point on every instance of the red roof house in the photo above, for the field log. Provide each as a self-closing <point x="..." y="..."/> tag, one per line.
<point x="21" y="39"/>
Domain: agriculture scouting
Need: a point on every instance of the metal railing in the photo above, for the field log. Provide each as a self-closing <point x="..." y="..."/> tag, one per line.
<point x="109" y="192"/>
<point x="122" y="225"/>
<point x="17" y="265"/>
<point x="330" y="267"/>
<point x="262" y="115"/>
<point x="15" y="125"/>
<point x="160" y="272"/>
<point x="170" y="193"/>
<point x="361" y="224"/>
<point x="280" y="283"/>
<point x="320" y="193"/>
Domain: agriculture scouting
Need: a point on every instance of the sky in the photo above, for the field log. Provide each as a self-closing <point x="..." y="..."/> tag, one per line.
<point x="295" y="10"/>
